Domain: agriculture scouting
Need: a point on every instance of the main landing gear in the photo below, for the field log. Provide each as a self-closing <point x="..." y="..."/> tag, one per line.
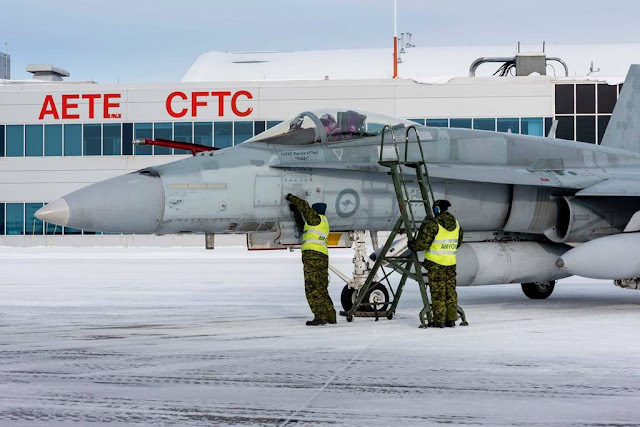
<point x="538" y="290"/>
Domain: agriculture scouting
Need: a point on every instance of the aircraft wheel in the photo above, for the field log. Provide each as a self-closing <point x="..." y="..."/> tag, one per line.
<point x="538" y="290"/>
<point x="347" y="298"/>
<point x="377" y="295"/>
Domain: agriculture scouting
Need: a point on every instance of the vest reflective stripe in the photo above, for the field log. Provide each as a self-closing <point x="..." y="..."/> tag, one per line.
<point x="314" y="237"/>
<point x="444" y="247"/>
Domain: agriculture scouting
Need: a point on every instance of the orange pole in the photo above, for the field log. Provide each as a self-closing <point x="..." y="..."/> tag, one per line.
<point x="395" y="57"/>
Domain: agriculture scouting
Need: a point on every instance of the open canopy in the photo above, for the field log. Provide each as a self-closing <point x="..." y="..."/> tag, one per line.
<point x="329" y="125"/>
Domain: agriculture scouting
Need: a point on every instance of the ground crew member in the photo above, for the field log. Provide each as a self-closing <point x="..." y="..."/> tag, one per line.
<point x="440" y="238"/>
<point x="315" y="258"/>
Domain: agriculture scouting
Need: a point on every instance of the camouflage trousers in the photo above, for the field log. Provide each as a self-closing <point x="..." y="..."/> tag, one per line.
<point x="316" y="284"/>
<point x="442" y="283"/>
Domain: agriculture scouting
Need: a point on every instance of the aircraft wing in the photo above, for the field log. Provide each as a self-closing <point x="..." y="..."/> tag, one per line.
<point x="613" y="187"/>
<point x="576" y="179"/>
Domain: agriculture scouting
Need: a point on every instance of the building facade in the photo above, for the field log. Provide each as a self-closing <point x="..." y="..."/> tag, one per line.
<point x="58" y="137"/>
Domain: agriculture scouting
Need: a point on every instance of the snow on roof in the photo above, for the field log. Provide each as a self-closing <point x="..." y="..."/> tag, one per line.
<point x="426" y="64"/>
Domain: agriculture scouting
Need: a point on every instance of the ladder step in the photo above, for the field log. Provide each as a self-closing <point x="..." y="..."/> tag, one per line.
<point x="418" y="201"/>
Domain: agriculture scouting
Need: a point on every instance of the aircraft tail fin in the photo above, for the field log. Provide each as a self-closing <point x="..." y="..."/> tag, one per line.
<point x="623" y="130"/>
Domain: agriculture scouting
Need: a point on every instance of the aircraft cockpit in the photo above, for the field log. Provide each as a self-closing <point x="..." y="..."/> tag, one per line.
<point x="329" y="125"/>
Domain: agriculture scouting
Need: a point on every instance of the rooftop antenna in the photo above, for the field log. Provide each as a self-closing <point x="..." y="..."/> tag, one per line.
<point x="544" y="46"/>
<point x="395" y="39"/>
<point x="518" y="47"/>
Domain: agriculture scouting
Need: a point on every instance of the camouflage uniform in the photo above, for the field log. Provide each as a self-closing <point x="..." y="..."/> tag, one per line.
<point x="442" y="279"/>
<point x="315" y="266"/>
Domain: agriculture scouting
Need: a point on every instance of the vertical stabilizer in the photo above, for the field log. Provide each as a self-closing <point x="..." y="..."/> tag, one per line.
<point x="623" y="130"/>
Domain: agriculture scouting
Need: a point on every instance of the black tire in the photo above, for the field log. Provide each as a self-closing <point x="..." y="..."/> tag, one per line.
<point x="346" y="298"/>
<point x="539" y="290"/>
<point x="377" y="293"/>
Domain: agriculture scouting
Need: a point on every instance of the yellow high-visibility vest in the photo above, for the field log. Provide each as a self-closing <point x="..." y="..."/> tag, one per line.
<point x="444" y="247"/>
<point x="315" y="237"/>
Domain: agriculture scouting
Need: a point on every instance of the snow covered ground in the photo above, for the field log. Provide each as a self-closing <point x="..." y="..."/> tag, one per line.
<point x="190" y="337"/>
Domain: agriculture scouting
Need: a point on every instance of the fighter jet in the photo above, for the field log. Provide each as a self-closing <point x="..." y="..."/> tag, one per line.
<point x="526" y="203"/>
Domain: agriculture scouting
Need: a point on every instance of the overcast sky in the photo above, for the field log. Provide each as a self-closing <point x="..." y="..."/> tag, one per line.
<point x="154" y="40"/>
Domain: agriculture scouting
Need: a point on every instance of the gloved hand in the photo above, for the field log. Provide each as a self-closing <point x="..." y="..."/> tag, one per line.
<point x="292" y="207"/>
<point x="289" y="196"/>
<point x="411" y="246"/>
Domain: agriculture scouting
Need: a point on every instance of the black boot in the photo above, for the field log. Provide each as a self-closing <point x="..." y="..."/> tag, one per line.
<point x="450" y="323"/>
<point x="316" y="322"/>
<point x="331" y="318"/>
<point x="438" y="324"/>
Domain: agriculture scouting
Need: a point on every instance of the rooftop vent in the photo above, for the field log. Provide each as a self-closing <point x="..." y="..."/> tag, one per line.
<point x="47" y="72"/>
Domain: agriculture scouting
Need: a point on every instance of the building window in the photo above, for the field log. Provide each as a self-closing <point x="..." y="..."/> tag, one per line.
<point x="607" y="97"/>
<point x="53" y="140"/>
<point x="1" y="219"/>
<point x="92" y="140"/>
<point x="111" y="139"/>
<point x="272" y="123"/>
<point x="143" y="130"/>
<point x="437" y="123"/>
<point x="242" y="131"/>
<point x="223" y="134"/>
<point x="460" y="123"/>
<point x="603" y="122"/>
<point x="33" y="226"/>
<point x="15" y="140"/>
<point x="548" y="122"/>
<point x="484" y="124"/>
<point x="259" y="127"/>
<point x="182" y="132"/>
<point x="564" y="99"/>
<point x="15" y="218"/>
<point x="1" y="140"/>
<point x="565" y="128"/>
<point x="163" y="131"/>
<point x="586" y="98"/>
<point x="203" y="133"/>
<point x="419" y="121"/>
<point x="586" y="129"/>
<point x="53" y="229"/>
<point x="532" y="126"/>
<point x="127" y="139"/>
<point x="72" y="231"/>
<point x="33" y="140"/>
<point x="72" y="140"/>
<point x="509" y="125"/>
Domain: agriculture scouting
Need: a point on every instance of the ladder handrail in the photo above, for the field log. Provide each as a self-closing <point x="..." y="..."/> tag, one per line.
<point x="422" y="157"/>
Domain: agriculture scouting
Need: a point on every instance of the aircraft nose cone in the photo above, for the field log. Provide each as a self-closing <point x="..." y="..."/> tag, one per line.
<point x="132" y="203"/>
<point x="56" y="212"/>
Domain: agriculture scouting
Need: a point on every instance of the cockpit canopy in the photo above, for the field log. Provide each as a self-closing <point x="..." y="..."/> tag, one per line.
<point x="329" y="125"/>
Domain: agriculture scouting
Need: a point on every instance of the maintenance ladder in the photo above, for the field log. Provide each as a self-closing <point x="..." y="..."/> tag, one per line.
<point x="407" y="224"/>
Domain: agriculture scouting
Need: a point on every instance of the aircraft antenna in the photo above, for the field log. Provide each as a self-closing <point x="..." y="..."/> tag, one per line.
<point x="395" y="39"/>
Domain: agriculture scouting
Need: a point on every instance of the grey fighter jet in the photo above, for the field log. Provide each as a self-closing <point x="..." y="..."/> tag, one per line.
<point x="526" y="203"/>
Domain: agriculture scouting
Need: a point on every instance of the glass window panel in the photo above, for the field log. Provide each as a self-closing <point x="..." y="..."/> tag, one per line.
<point x="509" y="125"/>
<point x="272" y="123"/>
<point x="420" y="121"/>
<point x="564" y="99"/>
<point x="565" y="128"/>
<point x="1" y="219"/>
<point x="460" y="123"/>
<point x="586" y="129"/>
<point x="163" y="131"/>
<point x="32" y="224"/>
<point x="15" y="140"/>
<point x="586" y="99"/>
<point x="548" y="122"/>
<point x="53" y="140"/>
<point x="72" y="140"/>
<point x="203" y="133"/>
<point x="484" y="124"/>
<point x="52" y="229"/>
<point x="127" y="139"/>
<point x="183" y="132"/>
<point x="1" y="140"/>
<point x="143" y="130"/>
<point x="607" y="97"/>
<point x="438" y="123"/>
<point x="259" y="127"/>
<point x="15" y="218"/>
<point x="242" y="132"/>
<point x="223" y="134"/>
<point x="111" y="139"/>
<point x="33" y="140"/>
<point x="603" y="122"/>
<point x="69" y="230"/>
<point x="92" y="139"/>
<point x="532" y="126"/>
